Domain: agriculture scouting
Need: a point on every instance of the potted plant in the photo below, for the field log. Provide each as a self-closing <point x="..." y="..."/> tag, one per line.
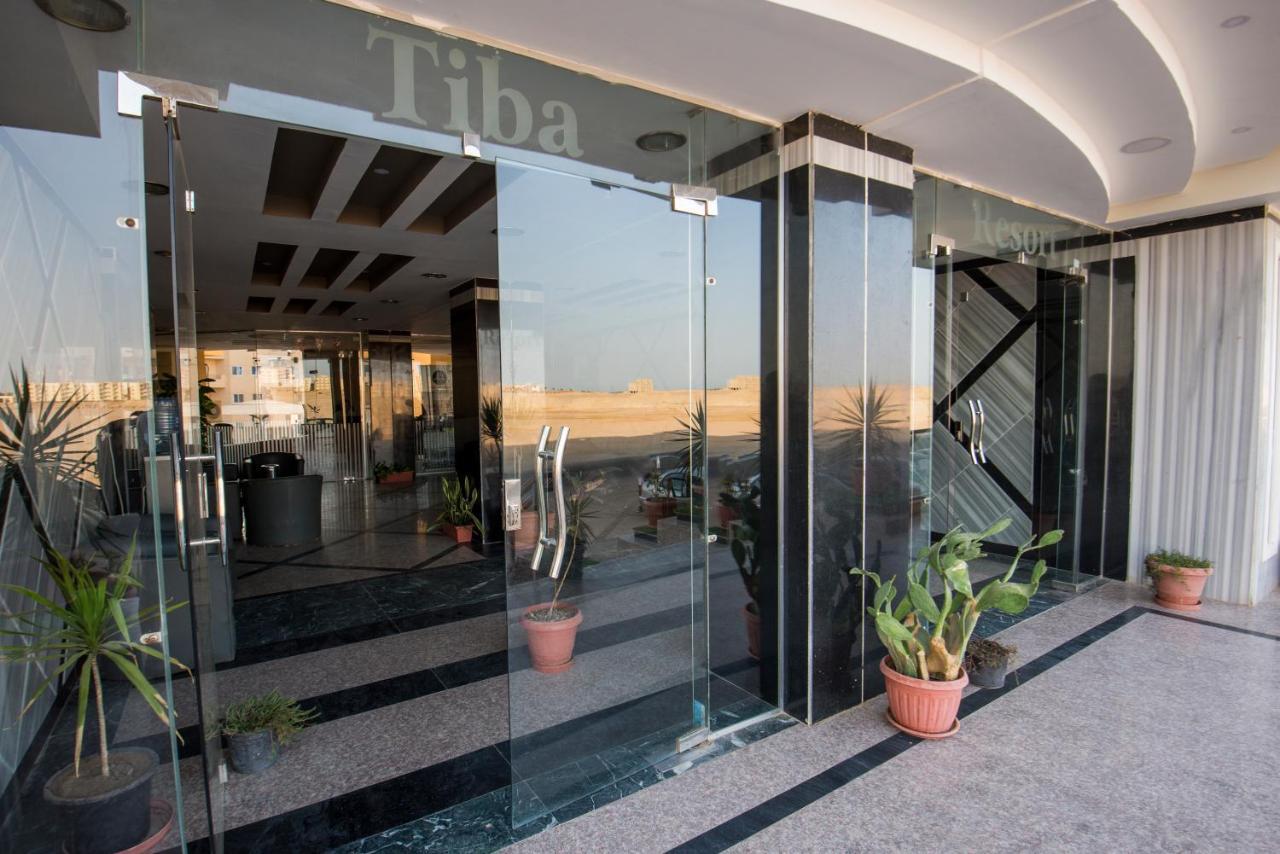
<point x="458" y="515"/>
<point x="107" y="805"/>
<point x="1179" y="579"/>
<point x="392" y="474"/>
<point x="926" y="640"/>
<point x="257" y="727"/>
<point x="745" y="548"/>
<point x="552" y="627"/>
<point x="730" y="495"/>
<point x="987" y="662"/>
<point x="659" y="501"/>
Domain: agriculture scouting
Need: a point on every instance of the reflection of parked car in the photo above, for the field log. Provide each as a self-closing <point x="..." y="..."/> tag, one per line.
<point x="671" y="484"/>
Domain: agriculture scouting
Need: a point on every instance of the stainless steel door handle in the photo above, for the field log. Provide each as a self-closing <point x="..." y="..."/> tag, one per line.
<point x="973" y="431"/>
<point x="562" y="518"/>
<point x="179" y="465"/>
<point x="982" y="433"/>
<point x="220" y="497"/>
<point x="539" y="490"/>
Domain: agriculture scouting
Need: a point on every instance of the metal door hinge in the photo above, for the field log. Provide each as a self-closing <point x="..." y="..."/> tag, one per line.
<point x="189" y="200"/>
<point x="692" y="199"/>
<point x="939" y="246"/>
<point x="471" y="145"/>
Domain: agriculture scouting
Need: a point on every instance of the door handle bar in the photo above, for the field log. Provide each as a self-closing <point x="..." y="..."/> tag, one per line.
<point x="180" y="461"/>
<point x="982" y="433"/>
<point x="539" y="482"/>
<point x="179" y="465"/>
<point x="973" y="431"/>
<point x="562" y="519"/>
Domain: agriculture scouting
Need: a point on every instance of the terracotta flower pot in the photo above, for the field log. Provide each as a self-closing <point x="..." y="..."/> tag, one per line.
<point x="728" y="515"/>
<point x="551" y="641"/>
<point x="926" y="709"/>
<point x="753" y="631"/>
<point x="658" y="508"/>
<point x="458" y="533"/>
<point x="1179" y="587"/>
<point x="398" y="477"/>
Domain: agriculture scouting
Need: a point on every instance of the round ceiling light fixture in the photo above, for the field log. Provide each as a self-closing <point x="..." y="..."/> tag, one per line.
<point x="434" y="275"/>
<point x="381" y="170"/>
<point x="155" y="188"/>
<point x="389" y="301"/>
<point x="659" y="141"/>
<point x="1242" y="129"/>
<point x="1234" y="21"/>
<point x="99" y="16"/>
<point x="359" y="319"/>
<point x="1146" y="145"/>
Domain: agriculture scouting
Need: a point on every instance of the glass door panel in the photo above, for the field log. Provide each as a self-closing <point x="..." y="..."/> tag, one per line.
<point x="601" y="299"/>
<point x="200" y="542"/>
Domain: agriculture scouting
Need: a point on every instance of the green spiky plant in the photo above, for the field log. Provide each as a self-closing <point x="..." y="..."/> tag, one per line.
<point x="460" y="498"/>
<point x="90" y="630"/>
<point x="40" y="436"/>
<point x="927" y="640"/>
<point x="283" y="715"/>
<point x="745" y="546"/>
<point x="692" y="439"/>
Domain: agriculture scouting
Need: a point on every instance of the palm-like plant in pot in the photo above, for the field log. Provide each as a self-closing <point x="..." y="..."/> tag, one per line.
<point x="926" y="639"/>
<point x="745" y="548"/>
<point x="458" y="516"/>
<point x="106" y="801"/>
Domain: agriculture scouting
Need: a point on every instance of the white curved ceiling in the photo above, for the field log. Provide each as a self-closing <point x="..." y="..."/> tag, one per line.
<point x="1031" y="98"/>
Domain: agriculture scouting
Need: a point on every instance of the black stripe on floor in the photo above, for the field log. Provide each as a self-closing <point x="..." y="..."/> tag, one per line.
<point x="745" y="825"/>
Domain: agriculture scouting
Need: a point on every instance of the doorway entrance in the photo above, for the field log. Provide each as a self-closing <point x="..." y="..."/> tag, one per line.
<point x="1007" y="383"/>
<point x="571" y="378"/>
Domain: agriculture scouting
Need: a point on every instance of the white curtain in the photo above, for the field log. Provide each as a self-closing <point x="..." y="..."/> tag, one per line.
<point x="1204" y="381"/>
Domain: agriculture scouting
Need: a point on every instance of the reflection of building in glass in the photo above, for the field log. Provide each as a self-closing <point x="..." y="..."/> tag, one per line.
<point x="640" y="386"/>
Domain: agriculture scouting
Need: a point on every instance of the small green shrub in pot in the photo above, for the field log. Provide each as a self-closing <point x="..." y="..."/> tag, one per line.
<point x="458" y="515"/>
<point x="1179" y="578"/>
<point x="926" y="640"/>
<point x="257" y="727"/>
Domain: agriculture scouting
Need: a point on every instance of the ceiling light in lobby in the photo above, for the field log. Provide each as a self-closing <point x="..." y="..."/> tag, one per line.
<point x="380" y="170"/>
<point x="661" y="140"/>
<point x="1145" y="145"/>
<point x="434" y="275"/>
<point x="99" y="16"/>
<point x="389" y="301"/>
<point x="1234" y="21"/>
<point x="359" y="319"/>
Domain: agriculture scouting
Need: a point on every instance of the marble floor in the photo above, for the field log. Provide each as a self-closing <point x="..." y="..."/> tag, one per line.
<point x="1125" y="728"/>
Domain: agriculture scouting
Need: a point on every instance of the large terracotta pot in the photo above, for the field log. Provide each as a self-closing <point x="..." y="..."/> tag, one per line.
<point x="753" y="630"/>
<point x="658" y="508"/>
<point x="926" y="709"/>
<point x="551" y="643"/>
<point x="1179" y="587"/>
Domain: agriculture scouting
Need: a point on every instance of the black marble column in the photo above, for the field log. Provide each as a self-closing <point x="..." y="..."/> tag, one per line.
<point x="846" y="461"/>
<point x="391" y="398"/>
<point x="477" y="396"/>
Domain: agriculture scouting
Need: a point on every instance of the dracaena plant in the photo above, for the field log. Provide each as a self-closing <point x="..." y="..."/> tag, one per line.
<point x="927" y="639"/>
<point x="460" y="499"/>
<point x="90" y="631"/>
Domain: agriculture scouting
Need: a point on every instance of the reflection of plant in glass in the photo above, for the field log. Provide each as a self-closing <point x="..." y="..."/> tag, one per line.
<point x="580" y="509"/>
<point x="746" y="540"/>
<point x="93" y="630"/>
<point x="692" y="437"/>
<point x="866" y="414"/>
<point x="40" y="436"/>
<point x="491" y="419"/>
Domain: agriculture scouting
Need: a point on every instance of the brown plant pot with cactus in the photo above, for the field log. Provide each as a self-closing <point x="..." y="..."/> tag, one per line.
<point x="926" y="640"/>
<point x="1179" y="579"/>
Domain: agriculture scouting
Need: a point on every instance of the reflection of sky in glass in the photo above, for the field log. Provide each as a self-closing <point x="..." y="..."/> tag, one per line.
<point x="77" y="300"/>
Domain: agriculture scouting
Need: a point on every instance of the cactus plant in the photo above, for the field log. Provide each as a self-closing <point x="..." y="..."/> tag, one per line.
<point x="927" y="639"/>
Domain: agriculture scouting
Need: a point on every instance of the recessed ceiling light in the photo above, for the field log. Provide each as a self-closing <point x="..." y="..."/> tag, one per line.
<point x="155" y="188"/>
<point x="359" y="319"/>
<point x="661" y="140"/>
<point x="389" y="301"/>
<point x="1234" y="21"/>
<point x="1242" y="129"/>
<point x="381" y="170"/>
<point x="1145" y="145"/>
<point x="433" y="275"/>
<point x="99" y="16"/>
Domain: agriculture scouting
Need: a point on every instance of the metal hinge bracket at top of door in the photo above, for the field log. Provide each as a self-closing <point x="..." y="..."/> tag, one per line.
<point x="189" y="201"/>
<point x="692" y="199"/>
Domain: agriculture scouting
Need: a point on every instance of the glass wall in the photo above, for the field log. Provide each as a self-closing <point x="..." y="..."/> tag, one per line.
<point x="79" y="479"/>
<point x="1015" y="293"/>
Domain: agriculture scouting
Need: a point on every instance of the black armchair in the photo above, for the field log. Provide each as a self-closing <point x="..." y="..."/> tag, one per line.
<point x="287" y="465"/>
<point x="282" y="511"/>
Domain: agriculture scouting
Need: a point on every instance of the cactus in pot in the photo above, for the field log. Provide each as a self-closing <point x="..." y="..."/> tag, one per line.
<point x="926" y="639"/>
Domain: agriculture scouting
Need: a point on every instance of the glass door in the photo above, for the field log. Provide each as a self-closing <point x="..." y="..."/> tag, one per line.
<point x="601" y="298"/>
<point x="1006" y="402"/>
<point x="194" y="457"/>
